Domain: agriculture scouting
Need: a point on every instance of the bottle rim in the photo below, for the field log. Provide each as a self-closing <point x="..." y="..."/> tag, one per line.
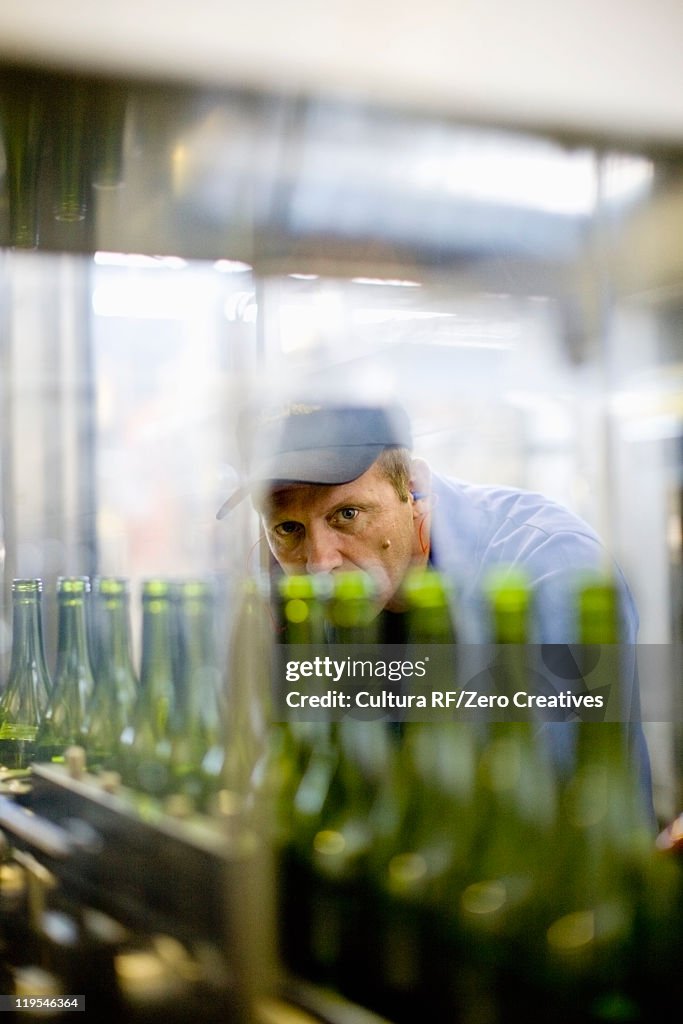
<point x="71" y="586"/>
<point x="27" y="585"/>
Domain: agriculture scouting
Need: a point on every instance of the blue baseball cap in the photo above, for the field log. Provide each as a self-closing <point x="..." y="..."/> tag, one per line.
<point x="315" y="444"/>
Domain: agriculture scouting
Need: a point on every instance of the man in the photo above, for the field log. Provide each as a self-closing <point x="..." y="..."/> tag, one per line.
<point x="337" y="488"/>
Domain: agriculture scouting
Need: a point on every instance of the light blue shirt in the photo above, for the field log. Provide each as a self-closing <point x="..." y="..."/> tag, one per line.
<point x="477" y="528"/>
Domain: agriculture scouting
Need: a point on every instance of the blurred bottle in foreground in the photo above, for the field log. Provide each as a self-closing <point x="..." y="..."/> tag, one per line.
<point x="330" y="834"/>
<point x="299" y="616"/>
<point x="499" y="904"/>
<point x="249" y="706"/>
<point x="608" y="914"/>
<point x="25" y="697"/>
<point x="423" y="822"/>
<point x="298" y="609"/>
<point x="72" y="139"/>
<point x="22" y="128"/>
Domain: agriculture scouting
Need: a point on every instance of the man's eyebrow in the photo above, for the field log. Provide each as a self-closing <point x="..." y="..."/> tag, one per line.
<point x="352" y="502"/>
<point x="276" y="501"/>
<point x="273" y="508"/>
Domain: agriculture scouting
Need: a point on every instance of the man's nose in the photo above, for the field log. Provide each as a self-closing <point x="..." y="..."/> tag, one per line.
<point x="322" y="550"/>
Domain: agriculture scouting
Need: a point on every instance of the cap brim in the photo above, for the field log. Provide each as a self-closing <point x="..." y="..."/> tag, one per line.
<point x="235" y="498"/>
<point x="327" y="466"/>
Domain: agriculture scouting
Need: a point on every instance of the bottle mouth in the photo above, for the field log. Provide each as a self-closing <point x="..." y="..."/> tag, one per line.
<point x="152" y="589"/>
<point x="73" y="586"/>
<point x="112" y="586"/>
<point x="27" y="586"/>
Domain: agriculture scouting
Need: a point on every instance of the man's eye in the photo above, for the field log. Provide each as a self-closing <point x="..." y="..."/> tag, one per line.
<point x="346" y="515"/>
<point x="287" y="529"/>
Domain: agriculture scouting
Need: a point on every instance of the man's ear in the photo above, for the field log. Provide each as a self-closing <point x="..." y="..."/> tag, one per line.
<point x="420" y="482"/>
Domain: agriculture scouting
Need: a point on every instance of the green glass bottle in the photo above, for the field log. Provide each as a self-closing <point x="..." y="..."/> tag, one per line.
<point x="116" y="685"/>
<point x="25" y="697"/>
<point x="605" y="849"/>
<point x="423" y="825"/>
<point x="64" y="723"/>
<point x="351" y="608"/>
<point x="197" y="747"/>
<point x="22" y="122"/>
<point x="330" y="832"/>
<point x="73" y="149"/>
<point x="301" y="620"/>
<point x="502" y="903"/>
<point x="146" y="743"/>
<point x="248" y="701"/>
<point x="331" y="839"/>
<point x="603" y="745"/>
<point x="299" y="614"/>
<point x="300" y="608"/>
<point x="428" y="598"/>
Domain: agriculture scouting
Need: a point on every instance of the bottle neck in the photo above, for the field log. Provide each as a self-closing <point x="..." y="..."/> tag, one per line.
<point x="602" y="742"/>
<point x="72" y="644"/>
<point x="27" y="637"/>
<point x="23" y="133"/>
<point x="303" y="622"/>
<point x="198" y="666"/>
<point x="431" y="625"/>
<point x="115" y="644"/>
<point x="156" y="666"/>
<point x="428" y="614"/>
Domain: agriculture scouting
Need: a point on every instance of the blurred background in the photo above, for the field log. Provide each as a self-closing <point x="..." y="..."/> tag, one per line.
<point x="476" y="209"/>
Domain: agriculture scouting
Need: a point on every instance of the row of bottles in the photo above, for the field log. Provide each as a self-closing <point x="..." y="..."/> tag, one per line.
<point x="160" y="727"/>
<point x="75" y="131"/>
<point x="442" y="868"/>
<point x="447" y="869"/>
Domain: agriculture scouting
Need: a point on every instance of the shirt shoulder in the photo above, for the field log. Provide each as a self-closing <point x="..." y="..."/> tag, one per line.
<point x="478" y="527"/>
<point x="491" y="516"/>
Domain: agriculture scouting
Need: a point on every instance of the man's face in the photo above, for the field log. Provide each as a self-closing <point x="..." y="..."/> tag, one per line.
<point x="314" y="528"/>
